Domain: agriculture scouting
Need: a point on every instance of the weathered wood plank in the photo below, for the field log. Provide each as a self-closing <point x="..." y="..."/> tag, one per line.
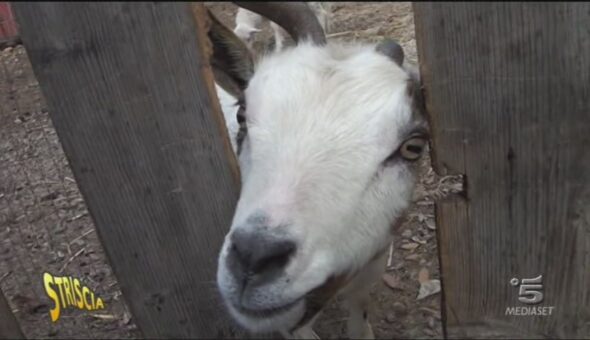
<point x="9" y="327"/>
<point x="131" y="97"/>
<point x="508" y="87"/>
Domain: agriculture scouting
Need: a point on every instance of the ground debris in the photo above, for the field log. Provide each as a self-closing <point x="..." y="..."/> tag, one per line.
<point x="392" y="281"/>
<point x="428" y="288"/>
<point x="410" y="246"/>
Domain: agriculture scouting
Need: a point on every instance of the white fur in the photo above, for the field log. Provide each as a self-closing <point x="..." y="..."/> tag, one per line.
<point x="248" y="24"/>
<point x="230" y="110"/>
<point x="321" y="120"/>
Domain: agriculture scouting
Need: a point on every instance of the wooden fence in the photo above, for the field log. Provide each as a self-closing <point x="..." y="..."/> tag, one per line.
<point x="9" y="328"/>
<point x="134" y="107"/>
<point x="507" y="88"/>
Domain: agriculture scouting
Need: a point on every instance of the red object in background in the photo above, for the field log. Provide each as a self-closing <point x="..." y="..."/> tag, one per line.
<point x="8" y="27"/>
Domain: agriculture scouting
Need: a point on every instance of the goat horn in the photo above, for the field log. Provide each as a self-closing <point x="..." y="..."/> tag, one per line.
<point x="294" y="17"/>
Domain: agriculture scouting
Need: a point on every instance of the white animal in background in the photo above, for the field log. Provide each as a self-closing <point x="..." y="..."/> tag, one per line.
<point x="327" y="137"/>
<point x="230" y="111"/>
<point x="249" y="23"/>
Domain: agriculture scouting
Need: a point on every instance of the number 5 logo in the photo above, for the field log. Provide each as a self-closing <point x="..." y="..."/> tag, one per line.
<point x="530" y="290"/>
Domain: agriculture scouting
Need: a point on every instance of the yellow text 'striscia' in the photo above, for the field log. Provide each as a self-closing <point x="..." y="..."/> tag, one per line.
<point x="66" y="291"/>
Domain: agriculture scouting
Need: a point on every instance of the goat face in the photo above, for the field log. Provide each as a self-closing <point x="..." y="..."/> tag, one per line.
<point x="326" y="167"/>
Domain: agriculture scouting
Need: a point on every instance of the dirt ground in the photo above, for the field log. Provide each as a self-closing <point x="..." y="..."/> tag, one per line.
<point x="45" y="227"/>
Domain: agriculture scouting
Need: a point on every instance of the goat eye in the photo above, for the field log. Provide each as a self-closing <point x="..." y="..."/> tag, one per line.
<point x="412" y="148"/>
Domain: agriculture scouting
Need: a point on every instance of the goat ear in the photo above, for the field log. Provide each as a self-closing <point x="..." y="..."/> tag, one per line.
<point x="231" y="61"/>
<point x="391" y="49"/>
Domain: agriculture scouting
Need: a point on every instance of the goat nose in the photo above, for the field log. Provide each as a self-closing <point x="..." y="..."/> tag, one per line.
<point x="259" y="253"/>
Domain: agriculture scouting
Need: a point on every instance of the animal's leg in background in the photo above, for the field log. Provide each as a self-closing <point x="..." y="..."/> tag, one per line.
<point x="305" y="332"/>
<point x="358" y="299"/>
<point x="247" y="25"/>
<point x="323" y="11"/>
<point x="280" y="35"/>
<point x="358" y="326"/>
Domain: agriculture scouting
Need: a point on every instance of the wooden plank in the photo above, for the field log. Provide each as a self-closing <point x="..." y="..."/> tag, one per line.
<point x="507" y="88"/>
<point x="9" y="327"/>
<point x="131" y="96"/>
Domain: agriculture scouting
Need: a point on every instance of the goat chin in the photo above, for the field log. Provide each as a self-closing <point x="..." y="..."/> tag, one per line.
<point x="280" y="322"/>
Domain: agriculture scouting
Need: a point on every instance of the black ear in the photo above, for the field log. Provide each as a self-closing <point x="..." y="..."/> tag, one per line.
<point x="393" y="50"/>
<point x="231" y="60"/>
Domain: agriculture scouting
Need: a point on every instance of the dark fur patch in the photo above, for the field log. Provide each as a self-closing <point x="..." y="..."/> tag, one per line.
<point x="231" y="60"/>
<point x="392" y="50"/>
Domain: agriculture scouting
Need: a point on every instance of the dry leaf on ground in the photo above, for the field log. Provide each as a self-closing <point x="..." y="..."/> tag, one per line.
<point x="428" y="288"/>
<point x="392" y="281"/>
<point x="410" y="246"/>
<point x="423" y="275"/>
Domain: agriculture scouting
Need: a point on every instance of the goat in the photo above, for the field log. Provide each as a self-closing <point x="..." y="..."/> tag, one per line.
<point x="248" y="24"/>
<point x="327" y="139"/>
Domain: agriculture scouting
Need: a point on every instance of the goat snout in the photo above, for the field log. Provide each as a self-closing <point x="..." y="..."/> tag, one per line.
<point x="256" y="256"/>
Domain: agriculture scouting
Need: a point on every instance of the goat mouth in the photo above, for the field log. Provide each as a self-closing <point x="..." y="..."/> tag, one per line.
<point x="315" y="300"/>
<point x="267" y="312"/>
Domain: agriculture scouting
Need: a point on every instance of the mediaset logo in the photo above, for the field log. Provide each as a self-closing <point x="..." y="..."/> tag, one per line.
<point x="530" y="292"/>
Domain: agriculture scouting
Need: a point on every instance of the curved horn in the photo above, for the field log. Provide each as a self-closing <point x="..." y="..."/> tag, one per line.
<point x="294" y="17"/>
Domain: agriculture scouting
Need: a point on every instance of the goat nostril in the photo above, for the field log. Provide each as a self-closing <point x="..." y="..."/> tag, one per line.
<point x="274" y="259"/>
<point x="259" y="253"/>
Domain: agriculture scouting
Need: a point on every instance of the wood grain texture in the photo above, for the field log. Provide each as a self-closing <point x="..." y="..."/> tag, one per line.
<point x="508" y="93"/>
<point x="9" y="327"/>
<point x="131" y="97"/>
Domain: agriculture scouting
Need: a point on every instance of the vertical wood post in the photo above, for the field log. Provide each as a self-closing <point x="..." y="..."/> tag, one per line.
<point x="9" y="328"/>
<point x="131" y="95"/>
<point x="508" y="91"/>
